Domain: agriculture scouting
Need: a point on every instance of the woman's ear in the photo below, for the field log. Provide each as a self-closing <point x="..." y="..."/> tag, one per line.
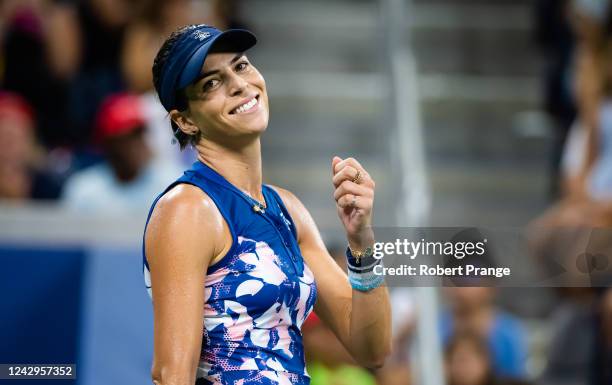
<point x="184" y="123"/>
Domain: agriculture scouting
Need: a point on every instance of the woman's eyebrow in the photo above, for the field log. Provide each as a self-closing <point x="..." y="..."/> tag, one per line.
<point x="212" y="72"/>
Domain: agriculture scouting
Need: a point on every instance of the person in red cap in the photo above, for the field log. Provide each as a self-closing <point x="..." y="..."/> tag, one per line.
<point x="129" y="178"/>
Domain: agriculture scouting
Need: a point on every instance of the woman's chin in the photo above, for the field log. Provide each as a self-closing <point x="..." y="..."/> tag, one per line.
<point x="257" y="126"/>
<point x="259" y="130"/>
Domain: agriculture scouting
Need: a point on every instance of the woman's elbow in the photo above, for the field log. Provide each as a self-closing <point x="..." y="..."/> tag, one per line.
<point x="172" y="375"/>
<point x="374" y="362"/>
<point x="376" y="357"/>
<point x="379" y="360"/>
<point x="172" y="379"/>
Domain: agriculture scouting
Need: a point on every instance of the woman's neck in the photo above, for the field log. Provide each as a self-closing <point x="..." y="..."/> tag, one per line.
<point x="241" y="166"/>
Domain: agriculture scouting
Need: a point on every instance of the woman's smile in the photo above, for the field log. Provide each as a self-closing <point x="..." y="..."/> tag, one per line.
<point x="247" y="106"/>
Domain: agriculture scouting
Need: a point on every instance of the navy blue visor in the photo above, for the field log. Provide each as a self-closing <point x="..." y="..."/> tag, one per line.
<point x="185" y="61"/>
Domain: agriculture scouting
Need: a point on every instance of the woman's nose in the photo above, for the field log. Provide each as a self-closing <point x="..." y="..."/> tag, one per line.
<point x="237" y="85"/>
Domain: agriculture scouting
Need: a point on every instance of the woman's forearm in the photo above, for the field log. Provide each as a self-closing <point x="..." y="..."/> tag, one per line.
<point x="370" y="315"/>
<point x="370" y="326"/>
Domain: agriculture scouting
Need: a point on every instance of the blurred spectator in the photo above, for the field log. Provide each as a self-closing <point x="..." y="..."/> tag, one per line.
<point x="587" y="150"/>
<point x="329" y="363"/>
<point x="226" y="14"/>
<point x="472" y="311"/>
<point x="85" y="43"/>
<point x="63" y="57"/>
<point x="155" y="20"/>
<point x="468" y="362"/>
<point x="27" y="70"/>
<point x="591" y="176"/>
<point x="131" y="177"/>
<point x="556" y="41"/>
<point x="573" y="334"/>
<point x="580" y="352"/>
<point x="22" y="174"/>
<point x="159" y="134"/>
<point x="587" y="168"/>
<point x="602" y="363"/>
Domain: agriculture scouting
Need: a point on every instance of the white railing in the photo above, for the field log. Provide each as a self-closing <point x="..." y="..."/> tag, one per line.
<point x="414" y="198"/>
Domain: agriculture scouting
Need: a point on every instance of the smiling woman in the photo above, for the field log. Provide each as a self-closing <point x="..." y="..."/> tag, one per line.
<point x="234" y="266"/>
<point x="242" y="113"/>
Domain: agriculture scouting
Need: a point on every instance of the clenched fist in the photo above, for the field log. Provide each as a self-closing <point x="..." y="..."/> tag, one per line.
<point x="354" y="195"/>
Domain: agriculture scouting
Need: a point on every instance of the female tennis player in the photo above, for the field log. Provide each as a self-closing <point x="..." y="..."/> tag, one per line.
<point x="234" y="266"/>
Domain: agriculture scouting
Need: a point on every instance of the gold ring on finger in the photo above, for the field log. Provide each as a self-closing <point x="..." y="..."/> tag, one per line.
<point x="357" y="178"/>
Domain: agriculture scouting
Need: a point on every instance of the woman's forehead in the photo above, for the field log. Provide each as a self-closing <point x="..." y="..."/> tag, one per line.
<point x="217" y="60"/>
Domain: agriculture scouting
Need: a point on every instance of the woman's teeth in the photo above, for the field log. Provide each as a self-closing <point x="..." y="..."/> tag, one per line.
<point x="246" y="106"/>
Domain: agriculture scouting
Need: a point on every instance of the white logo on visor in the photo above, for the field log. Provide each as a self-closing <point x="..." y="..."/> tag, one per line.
<point x="201" y="35"/>
<point x="194" y="26"/>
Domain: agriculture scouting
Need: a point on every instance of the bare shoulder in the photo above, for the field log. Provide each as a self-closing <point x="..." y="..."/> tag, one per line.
<point x="184" y="201"/>
<point x="182" y="216"/>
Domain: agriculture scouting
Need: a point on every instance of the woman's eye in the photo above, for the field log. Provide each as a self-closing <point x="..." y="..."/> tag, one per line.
<point x="210" y="84"/>
<point x="242" y="66"/>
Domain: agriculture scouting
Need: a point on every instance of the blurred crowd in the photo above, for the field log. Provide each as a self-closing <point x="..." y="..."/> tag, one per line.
<point x="576" y="39"/>
<point x="79" y="121"/>
<point x="80" y="124"/>
<point x="482" y="343"/>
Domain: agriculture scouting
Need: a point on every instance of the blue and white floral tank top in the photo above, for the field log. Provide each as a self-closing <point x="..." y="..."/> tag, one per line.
<point x="257" y="296"/>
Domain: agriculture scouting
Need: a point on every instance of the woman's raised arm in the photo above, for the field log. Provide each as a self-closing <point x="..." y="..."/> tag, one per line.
<point x="361" y="320"/>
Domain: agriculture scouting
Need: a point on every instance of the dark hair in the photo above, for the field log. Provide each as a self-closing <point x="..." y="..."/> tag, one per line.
<point x="181" y="100"/>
